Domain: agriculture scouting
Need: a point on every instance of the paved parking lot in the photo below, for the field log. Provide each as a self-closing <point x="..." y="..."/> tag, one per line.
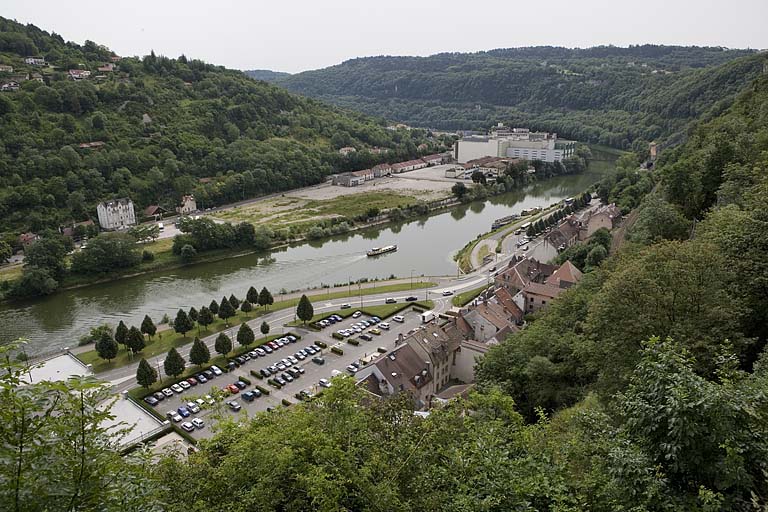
<point x="308" y="381"/>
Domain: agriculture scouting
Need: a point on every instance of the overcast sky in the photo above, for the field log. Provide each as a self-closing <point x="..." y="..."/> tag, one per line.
<point x="296" y="35"/>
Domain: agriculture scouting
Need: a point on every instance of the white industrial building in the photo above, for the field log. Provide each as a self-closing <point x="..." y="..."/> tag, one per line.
<point x="514" y="144"/>
<point x="116" y="214"/>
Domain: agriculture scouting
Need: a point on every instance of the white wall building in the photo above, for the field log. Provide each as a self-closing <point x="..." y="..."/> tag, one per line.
<point x="524" y="145"/>
<point x="116" y="214"/>
<point x="188" y="205"/>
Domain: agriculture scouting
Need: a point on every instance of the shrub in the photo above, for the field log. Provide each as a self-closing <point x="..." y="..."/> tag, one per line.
<point x="247" y="381"/>
<point x="257" y="375"/>
<point x="353" y="342"/>
<point x="381" y="350"/>
<point x="321" y="344"/>
<point x="286" y="402"/>
<point x="337" y="336"/>
<point x="264" y="391"/>
<point x="147" y="256"/>
<point x="337" y="350"/>
<point x="274" y="383"/>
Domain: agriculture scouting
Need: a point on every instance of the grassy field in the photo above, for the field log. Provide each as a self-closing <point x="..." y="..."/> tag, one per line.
<point x="465" y="298"/>
<point x="306" y="212"/>
<point x="165" y="340"/>
<point x="10" y="272"/>
<point x="381" y="311"/>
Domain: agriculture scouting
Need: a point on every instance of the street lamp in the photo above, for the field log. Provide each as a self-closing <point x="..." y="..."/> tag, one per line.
<point x="411" y="279"/>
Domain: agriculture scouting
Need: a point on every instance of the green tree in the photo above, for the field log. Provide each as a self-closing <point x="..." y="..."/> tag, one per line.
<point x="105" y="253"/>
<point x="459" y="190"/>
<point x="245" y="335"/>
<point x="596" y="256"/>
<point x="33" y="282"/>
<point x="265" y="298"/>
<point x="106" y="346"/>
<point x="188" y="253"/>
<point x="135" y="341"/>
<point x="659" y="220"/>
<point x="145" y="374"/>
<point x="121" y="333"/>
<point x="5" y="252"/>
<point x="264" y="329"/>
<point x="214" y="307"/>
<point x="246" y="307"/>
<point x="223" y="344"/>
<point x="193" y="315"/>
<point x="304" y="309"/>
<point x="174" y="363"/>
<point x="47" y="254"/>
<point x="199" y="353"/>
<point x="148" y="326"/>
<point x="182" y="323"/>
<point x="252" y="296"/>
<point x="205" y="318"/>
<point x="226" y="311"/>
<point x="234" y="301"/>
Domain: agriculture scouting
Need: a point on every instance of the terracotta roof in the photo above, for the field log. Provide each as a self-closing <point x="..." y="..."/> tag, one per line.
<point x="567" y="273"/>
<point x="545" y="290"/>
<point x="401" y="367"/>
<point x="509" y="305"/>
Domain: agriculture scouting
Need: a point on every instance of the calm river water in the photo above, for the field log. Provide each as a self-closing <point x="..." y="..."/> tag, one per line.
<point x="425" y="247"/>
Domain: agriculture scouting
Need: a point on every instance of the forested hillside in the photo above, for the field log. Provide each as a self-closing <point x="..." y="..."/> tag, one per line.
<point x="266" y="75"/>
<point x="606" y="95"/>
<point x="168" y="126"/>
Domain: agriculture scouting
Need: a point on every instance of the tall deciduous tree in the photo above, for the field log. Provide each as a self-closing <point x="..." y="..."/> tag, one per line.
<point x="106" y="346"/>
<point x="174" y="363"/>
<point x="199" y="353"/>
<point x="265" y="298"/>
<point x="245" y="335"/>
<point x="121" y="333"/>
<point x="253" y="295"/>
<point x="182" y="324"/>
<point x="135" y="340"/>
<point x="223" y="344"/>
<point x="226" y="311"/>
<point x="264" y="328"/>
<point x="145" y="374"/>
<point x="205" y="318"/>
<point x="304" y="309"/>
<point x="148" y="326"/>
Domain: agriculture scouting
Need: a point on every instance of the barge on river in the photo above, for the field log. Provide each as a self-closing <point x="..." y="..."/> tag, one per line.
<point x="376" y="251"/>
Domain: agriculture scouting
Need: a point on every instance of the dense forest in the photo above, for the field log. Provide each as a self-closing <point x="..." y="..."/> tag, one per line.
<point x="169" y="127"/>
<point x="607" y="95"/>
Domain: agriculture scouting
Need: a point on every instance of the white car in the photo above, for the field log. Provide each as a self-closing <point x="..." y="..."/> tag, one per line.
<point x="197" y="422"/>
<point x="209" y="399"/>
<point x="193" y="407"/>
<point x="325" y="383"/>
<point x="356" y="314"/>
<point x="384" y="325"/>
<point x="398" y="318"/>
<point x="216" y="370"/>
<point x="447" y="293"/>
<point x="187" y="426"/>
<point x="174" y="416"/>
<point x="177" y="388"/>
<point x="184" y="384"/>
<point x="168" y="392"/>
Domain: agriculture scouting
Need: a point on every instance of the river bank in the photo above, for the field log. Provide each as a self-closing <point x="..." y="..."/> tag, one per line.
<point x="426" y="245"/>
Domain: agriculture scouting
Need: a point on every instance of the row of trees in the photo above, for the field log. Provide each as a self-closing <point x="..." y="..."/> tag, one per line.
<point x="552" y="220"/>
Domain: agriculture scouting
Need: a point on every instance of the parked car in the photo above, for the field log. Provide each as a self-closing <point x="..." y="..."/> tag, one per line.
<point x="261" y="351"/>
<point x="234" y="405"/>
<point x="187" y="426"/>
<point x="169" y="391"/>
<point x="384" y="325"/>
<point x="398" y="318"/>
<point x="280" y="381"/>
<point x="201" y="378"/>
<point x="232" y="389"/>
<point x="174" y="416"/>
<point x="177" y="389"/>
<point x="300" y="370"/>
<point x="366" y="337"/>
<point x="198" y="423"/>
<point x="318" y="360"/>
<point x="209" y="399"/>
<point x="248" y="396"/>
<point x="286" y="377"/>
<point x="351" y="369"/>
<point x="411" y="299"/>
<point x="376" y="319"/>
<point x="375" y="331"/>
<point x="345" y="306"/>
<point x="209" y="374"/>
<point x="240" y="384"/>
<point x="294" y="372"/>
<point x="356" y="314"/>
<point x="184" y="384"/>
<point x="240" y="360"/>
<point x="216" y="370"/>
<point x="267" y="349"/>
<point x="192" y="381"/>
<point x="390" y="300"/>
<point x="256" y="393"/>
<point x="193" y="407"/>
<point x="184" y="412"/>
<point x="200" y="402"/>
<point x="299" y="356"/>
<point x="159" y="396"/>
<point x="292" y="338"/>
<point x="325" y="383"/>
<point x="151" y="400"/>
<point x="265" y="373"/>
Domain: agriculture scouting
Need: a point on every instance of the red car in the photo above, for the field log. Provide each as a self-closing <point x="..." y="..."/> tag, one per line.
<point x="192" y="381"/>
<point x="232" y="389"/>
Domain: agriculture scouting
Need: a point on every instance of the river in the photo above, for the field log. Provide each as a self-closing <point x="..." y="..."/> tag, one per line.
<point x="425" y="247"/>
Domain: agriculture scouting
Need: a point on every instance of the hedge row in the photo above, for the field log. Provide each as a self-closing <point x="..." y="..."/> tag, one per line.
<point x="353" y="341"/>
<point x="337" y="350"/>
<point x="257" y="375"/>
<point x="274" y="383"/>
<point x="337" y="336"/>
<point x="286" y="402"/>
<point x="263" y="390"/>
<point x="321" y="344"/>
<point x="247" y="381"/>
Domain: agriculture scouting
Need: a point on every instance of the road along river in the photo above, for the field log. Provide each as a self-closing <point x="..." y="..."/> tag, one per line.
<point x="425" y="247"/>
